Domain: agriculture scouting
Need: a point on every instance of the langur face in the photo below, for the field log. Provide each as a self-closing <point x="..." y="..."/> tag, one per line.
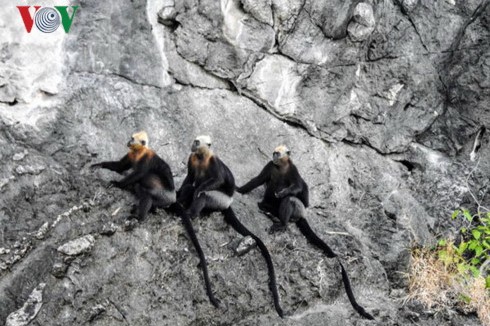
<point x="138" y="140"/>
<point x="280" y="155"/>
<point x="201" y="142"/>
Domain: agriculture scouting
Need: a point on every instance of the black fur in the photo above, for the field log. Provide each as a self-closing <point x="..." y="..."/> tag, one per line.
<point x="305" y="228"/>
<point x="194" y="195"/>
<point x="289" y="184"/>
<point x="217" y="176"/>
<point x="150" y="179"/>
<point x="232" y="220"/>
<point x="177" y="208"/>
<point x="284" y="189"/>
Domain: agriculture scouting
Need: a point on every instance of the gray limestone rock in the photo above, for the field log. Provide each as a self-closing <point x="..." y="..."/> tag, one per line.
<point x="362" y="23"/>
<point x="168" y="13"/>
<point x="59" y="269"/>
<point x="379" y="102"/>
<point x="260" y="10"/>
<point x="245" y="245"/>
<point x="78" y="246"/>
<point x="29" y="310"/>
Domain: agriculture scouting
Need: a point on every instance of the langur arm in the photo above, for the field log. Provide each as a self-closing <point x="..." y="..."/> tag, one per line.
<point x="212" y="183"/>
<point x="168" y="179"/>
<point x="189" y="178"/>
<point x="295" y="188"/>
<point x="292" y="190"/>
<point x="116" y="166"/>
<point x="305" y="195"/>
<point x="139" y="172"/>
<point x="259" y="180"/>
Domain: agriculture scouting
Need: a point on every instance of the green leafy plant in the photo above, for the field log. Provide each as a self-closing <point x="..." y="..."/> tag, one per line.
<point x="455" y="274"/>
<point x="471" y="255"/>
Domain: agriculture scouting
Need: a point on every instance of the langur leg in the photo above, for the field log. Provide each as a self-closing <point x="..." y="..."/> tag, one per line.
<point x="196" y="207"/>
<point x="299" y="209"/>
<point x="142" y="195"/>
<point x="269" y="210"/>
<point x="144" y="206"/>
<point x="286" y="209"/>
<point x="266" y="207"/>
<point x="163" y="198"/>
<point x="216" y="200"/>
<point x="212" y="200"/>
<point x="290" y="209"/>
<point x="137" y="191"/>
<point x="185" y="195"/>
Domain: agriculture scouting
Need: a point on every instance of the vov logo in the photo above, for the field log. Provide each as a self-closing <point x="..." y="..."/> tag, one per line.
<point x="47" y="19"/>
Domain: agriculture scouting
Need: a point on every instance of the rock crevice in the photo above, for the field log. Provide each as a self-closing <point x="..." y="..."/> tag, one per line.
<point x="379" y="103"/>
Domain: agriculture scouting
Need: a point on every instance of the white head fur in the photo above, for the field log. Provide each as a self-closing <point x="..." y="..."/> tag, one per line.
<point x="281" y="153"/>
<point x="200" y="142"/>
<point x="139" y="139"/>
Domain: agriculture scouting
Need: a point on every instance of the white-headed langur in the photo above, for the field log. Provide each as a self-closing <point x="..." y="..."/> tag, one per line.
<point x="210" y="185"/>
<point x="150" y="179"/>
<point x="286" y="198"/>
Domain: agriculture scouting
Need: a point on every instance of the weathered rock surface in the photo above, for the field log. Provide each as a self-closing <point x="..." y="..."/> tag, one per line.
<point x="378" y="101"/>
<point x="78" y="246"/>
<point x="246" y="244"/>
<point x="29" y="310"/>
<point x="363" y="22"/>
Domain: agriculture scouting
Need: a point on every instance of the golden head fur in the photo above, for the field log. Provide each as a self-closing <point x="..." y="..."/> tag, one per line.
<point x="138" y="141"/>
<point x="281" y="155"/>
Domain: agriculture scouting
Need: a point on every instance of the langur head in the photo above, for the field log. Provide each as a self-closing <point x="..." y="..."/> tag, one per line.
<point x="138" y="141"/>
<point x="281" y="155"/>
<point x="201" y="143"/>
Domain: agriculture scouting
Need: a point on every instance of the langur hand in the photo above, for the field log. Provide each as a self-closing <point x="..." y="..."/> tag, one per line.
<point x="117" y="184"/>
<point x="96" y="165"/>
<point x="281" y="194"/>
<point x="277" y="227"/>
<point x="198" y="194"/>
<point x="239" y="190"/>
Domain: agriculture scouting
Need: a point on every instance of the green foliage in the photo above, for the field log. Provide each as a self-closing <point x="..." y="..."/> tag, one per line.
<point x="473" y="250"/>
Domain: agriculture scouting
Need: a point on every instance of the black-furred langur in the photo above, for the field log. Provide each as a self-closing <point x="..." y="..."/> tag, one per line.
<point x="286" y="197"/>
<point x="151" y="176"/>
<point x="210" y="185"/>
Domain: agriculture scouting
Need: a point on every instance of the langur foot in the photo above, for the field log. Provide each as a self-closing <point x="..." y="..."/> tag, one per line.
<point x="277" y="227"/>
<point x="130" y="223"/>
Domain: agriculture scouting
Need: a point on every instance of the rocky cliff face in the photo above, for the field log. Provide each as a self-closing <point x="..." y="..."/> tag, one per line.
<point x="379" y="102"/>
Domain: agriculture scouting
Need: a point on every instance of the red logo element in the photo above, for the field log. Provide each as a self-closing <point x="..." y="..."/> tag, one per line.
<point x="26" y="16"/>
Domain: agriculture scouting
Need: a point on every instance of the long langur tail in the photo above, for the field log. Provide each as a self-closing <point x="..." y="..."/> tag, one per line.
<point x="232" y="220"/>
<point x="192" y="234"/>
<point x="311" y="236"/>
